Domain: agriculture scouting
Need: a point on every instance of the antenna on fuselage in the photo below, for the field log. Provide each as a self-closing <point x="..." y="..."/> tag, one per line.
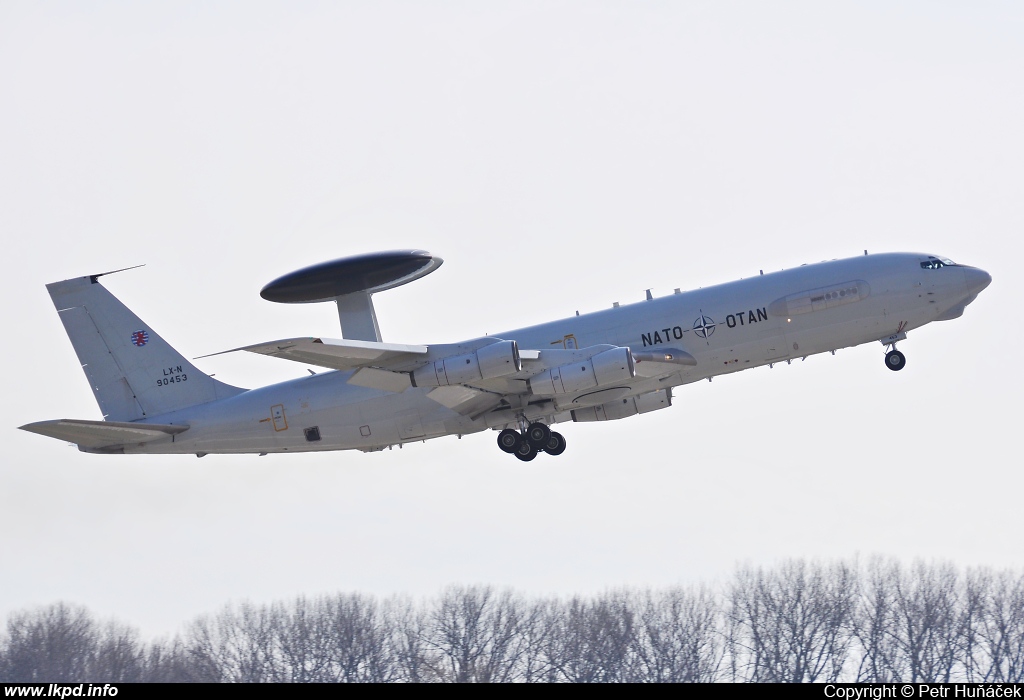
<point x="93" y="278"/>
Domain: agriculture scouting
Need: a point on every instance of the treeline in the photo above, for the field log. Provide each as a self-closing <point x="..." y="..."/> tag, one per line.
<point x="797" y="622"/>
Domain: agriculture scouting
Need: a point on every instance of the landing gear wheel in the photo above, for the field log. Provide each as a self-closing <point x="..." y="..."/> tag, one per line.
<point x="555" y="444"/>
<point x="895" y="360"/>
<point x="508" y="440"/>
<point x="538" y="434"/>
<point x="525" y="451"/>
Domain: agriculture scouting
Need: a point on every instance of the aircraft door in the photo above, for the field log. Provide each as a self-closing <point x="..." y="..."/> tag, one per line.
<point x="279" y="418"/>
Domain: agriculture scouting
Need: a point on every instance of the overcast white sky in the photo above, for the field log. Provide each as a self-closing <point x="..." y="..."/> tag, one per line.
<point x="558" y="156"/>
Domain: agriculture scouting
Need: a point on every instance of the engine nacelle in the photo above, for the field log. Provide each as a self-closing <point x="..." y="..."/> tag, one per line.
<point x="614" y="410"/>
<point x="608" y="367"/>
<point x="489" y="362"/>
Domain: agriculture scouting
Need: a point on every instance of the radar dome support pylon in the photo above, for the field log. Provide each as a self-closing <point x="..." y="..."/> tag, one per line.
<point x="357" y="317"/>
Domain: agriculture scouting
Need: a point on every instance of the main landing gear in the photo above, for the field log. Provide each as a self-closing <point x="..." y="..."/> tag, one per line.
<point x="535" y="438"/>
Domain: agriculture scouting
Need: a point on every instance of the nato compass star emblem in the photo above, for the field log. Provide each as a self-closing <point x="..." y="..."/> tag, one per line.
<point x="704" y="326"/>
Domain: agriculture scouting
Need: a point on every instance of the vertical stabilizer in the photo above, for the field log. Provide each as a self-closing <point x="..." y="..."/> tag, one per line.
<point x="133" y="372"/>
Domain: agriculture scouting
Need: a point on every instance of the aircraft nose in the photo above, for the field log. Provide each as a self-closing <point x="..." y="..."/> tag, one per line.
<point x="976" y="279"/>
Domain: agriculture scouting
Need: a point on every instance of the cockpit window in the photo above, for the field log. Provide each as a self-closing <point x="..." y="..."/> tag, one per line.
<point x="933" y="263"/>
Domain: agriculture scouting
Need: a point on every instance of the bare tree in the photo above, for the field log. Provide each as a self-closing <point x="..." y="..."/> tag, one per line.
<point x="409" y="634"/>
<point x="873" y="624"/>
<point x="475" y="635"/>
<point x="235" y="646"/>
<point x="361" y="640"/>
<point x="593" y="639"/>
<point x="118" y="655"/>
<point x="793" y="624"/>
<point x="537" y="628"/>
<point x="796" y="622"/>
<point x="971" y="614"/>
<point x="61" y="642"/>
<point x="51" y="644"/>
<point x="166" y="661"/>
<point x="678" y="637"/>
<point x="1002" y="629"/>
<point x="303" y="641"/>
<point x="925" y="623"/>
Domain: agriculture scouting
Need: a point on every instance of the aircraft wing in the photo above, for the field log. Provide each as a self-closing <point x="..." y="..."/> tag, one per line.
<point x="99" y="434"/>
<point x="339" y="354"/>
<point x="390" y="366"/>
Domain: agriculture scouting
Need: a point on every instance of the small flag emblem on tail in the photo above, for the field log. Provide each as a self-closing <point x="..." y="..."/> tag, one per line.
<point x="140" y="338"/>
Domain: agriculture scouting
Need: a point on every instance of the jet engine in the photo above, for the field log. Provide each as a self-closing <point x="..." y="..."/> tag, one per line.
<point x="614" y="410"/>
<point x="608" y="367"/>
<point x="489" y="362"/>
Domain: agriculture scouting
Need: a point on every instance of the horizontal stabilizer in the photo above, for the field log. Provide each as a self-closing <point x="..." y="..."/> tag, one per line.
<point x="339" y="354"/>
<point x="99" y="434"/>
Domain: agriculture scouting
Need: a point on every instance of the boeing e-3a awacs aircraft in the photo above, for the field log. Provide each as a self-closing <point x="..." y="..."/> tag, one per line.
<point x="601" y="366"/>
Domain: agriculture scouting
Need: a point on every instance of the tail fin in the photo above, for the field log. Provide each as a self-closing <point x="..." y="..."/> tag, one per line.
<point x="133" y="372"/>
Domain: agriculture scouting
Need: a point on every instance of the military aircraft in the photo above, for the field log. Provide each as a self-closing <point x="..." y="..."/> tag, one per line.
<point x="601" y="366"/>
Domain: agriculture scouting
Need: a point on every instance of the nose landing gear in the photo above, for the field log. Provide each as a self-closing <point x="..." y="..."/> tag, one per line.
<point x="534" y="438"/>
<point x="895" y="360"/>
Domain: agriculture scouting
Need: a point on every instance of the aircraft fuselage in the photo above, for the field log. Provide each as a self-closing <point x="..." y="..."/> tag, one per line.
<point x="730" y="327"/>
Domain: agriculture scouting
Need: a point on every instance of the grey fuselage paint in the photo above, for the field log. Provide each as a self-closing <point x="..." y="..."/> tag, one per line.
<point x="727" y="328"/>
